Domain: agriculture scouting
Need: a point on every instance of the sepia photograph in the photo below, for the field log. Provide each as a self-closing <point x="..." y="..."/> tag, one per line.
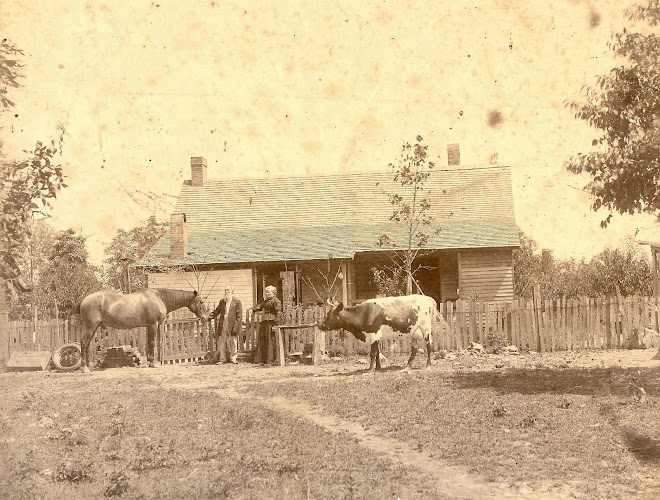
<point x="330" y="249"/>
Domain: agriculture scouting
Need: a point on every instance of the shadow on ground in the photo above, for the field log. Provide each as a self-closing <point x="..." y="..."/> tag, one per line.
<point x="645" y="448"/>
<point x="584" y="381"/>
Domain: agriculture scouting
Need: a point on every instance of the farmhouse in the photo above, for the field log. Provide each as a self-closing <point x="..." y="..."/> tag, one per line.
<point x="310" y="235"/>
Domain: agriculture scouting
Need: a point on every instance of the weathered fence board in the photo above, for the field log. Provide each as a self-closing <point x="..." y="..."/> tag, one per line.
<point x="540" y="325"/>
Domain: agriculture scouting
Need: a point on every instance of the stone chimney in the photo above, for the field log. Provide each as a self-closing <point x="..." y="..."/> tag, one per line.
<point x="453" y="154"/>
<point x="198" y="171"/>
<point x="178" y="237"/>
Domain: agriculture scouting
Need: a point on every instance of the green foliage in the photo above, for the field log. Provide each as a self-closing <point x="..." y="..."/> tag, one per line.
<point x="626" y="266"/>
<point x="131" y="245"/>
<point x="10" y="72"/>
<point x="410" y="209"/>
<point x="62" y="276"/>
<point x="23" y="183"/>
<point x="625" y="106"/>
<point x="390" y="282"/>
<point x="69" y="277"/>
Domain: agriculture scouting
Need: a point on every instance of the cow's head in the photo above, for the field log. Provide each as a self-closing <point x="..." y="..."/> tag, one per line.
<point x="332" y="321"/>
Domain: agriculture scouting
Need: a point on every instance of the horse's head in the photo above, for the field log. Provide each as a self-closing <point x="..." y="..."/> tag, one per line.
<point x="198" y="306"/>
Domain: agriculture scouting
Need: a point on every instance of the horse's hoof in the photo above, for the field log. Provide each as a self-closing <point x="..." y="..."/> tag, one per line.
<point x="85" y="369"/>
<point x="152" y="365"/>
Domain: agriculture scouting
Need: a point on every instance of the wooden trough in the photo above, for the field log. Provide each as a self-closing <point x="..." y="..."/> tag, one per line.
<point x="279" y="342"/>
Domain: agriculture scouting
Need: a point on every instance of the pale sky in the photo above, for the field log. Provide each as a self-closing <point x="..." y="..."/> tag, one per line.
<point x="298" y="88"/>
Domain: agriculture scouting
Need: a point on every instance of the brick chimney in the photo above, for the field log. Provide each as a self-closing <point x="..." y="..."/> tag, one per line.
<point x="453" y="154"/>
<point x="178" y="237"/>
<point x="198" y="171"/>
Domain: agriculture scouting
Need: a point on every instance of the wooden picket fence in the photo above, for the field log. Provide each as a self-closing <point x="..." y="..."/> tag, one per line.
<point x="529" y="323"/>
<point x="548" y="324"/>
<point x="183" y="339"/>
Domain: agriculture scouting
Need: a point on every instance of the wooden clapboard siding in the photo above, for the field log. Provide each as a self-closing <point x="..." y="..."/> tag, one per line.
<point x="211" y="283"/>
<point x="448" y="286"/>
<point x="448" y="272"/>
<point x="487" y="274"/>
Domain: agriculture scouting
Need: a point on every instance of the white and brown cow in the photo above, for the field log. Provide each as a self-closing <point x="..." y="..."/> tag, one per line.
<point x="386" y="318"/>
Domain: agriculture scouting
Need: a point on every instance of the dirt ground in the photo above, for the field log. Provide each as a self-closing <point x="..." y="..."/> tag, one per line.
<point x="291" y="393"/>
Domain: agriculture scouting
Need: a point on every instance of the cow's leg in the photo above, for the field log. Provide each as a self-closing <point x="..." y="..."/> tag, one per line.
<point x="413" y="352"/>
<point x="377" y="355"/>
<point x="151" y="344"/>
<point x="428" y="352"/>
<point x="373" y="354"/>
<point x="413" y="349"/>
<point x="84" y="346"/>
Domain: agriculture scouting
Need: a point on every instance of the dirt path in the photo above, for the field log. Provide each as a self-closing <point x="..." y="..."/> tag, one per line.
<point x="450" y="481"/>
<point x="454" y="482"/>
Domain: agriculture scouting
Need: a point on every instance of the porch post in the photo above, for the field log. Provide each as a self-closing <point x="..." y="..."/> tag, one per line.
<point x="255" y="284"/>
<point x="344" y="282"/>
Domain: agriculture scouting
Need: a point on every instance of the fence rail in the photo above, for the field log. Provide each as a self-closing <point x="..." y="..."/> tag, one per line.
<point x="530" y="324"/>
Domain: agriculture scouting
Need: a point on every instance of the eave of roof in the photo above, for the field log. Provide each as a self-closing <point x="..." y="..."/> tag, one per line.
<point x="308" y="218"/>
<point x="313" y="243"/>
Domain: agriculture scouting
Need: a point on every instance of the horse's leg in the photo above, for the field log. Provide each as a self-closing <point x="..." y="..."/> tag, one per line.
<point x="151" y="344"/>
<point x="84" y="347"/>
<point x="158" y="353"/>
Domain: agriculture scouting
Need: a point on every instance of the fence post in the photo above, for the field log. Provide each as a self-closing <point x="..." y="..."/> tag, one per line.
<point x="473" y="322"/>
<point x="608" y="321"/>
<point x="451" y="334"/>
<point x="316" y="347"/>
<point x="621" y="314"/>
<point x="537" y="316"/>
<point x="279" y="345"/>
<point x="513" y="338"/>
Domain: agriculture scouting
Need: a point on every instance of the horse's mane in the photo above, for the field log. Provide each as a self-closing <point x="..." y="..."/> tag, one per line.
<point x="174" y="299"/>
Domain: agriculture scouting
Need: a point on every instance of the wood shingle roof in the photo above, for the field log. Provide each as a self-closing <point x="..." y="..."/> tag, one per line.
<point x="305" y="218"/>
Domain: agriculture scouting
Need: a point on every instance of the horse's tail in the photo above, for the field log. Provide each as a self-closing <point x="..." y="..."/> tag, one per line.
<point x="76" y="307"/>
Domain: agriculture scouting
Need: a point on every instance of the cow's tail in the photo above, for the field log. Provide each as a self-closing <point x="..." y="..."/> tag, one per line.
<point x="436" y="323"/>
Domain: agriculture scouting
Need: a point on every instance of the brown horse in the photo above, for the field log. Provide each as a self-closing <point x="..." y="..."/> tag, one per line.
<point x="144" y="308"/>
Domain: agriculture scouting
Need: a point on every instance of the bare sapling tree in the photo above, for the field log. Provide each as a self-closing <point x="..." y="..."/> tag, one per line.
<point x="411" y="211"/>
<point x="196" y="275"/>
<point x="325" y="282"/>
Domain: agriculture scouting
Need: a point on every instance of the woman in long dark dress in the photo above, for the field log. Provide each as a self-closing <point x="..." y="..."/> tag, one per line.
<point x="271" y="309"/>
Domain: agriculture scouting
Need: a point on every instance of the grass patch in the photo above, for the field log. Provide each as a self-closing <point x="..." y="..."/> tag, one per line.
<point x="96" y="440"/>
<point x="533" y="426"/>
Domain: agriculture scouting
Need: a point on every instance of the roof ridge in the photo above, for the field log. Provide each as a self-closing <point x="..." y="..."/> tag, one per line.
<point x="280" y="178"/>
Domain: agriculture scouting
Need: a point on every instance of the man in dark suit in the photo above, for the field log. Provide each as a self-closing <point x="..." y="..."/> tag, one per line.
<point x="229" y="314"/>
